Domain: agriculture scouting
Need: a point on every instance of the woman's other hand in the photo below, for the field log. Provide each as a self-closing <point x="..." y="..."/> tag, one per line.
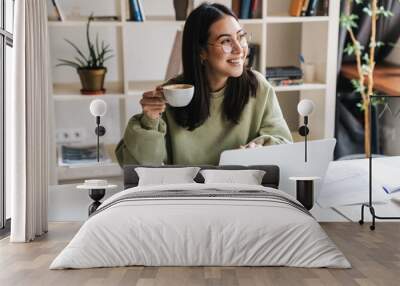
<point x="153" y="103"/>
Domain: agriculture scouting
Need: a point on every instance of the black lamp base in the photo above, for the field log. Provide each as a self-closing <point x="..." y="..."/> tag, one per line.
<point x="305" y="193"/>
<point x="96" y="195"/>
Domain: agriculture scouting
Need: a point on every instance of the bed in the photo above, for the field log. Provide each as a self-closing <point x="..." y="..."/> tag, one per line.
<point x="201" y="224"/>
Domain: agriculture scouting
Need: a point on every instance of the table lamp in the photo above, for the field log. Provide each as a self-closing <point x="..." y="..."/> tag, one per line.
<point x="98" y="108"/>
<point x="305" y="108"/>
<point x="305" y="185"/>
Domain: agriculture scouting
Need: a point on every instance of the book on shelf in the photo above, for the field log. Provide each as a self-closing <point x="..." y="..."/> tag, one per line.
<point x="255" y="9"/>
<point x="296" y="8"/>
<point x="304" y="8"/>
<point x="59" y="14"/>
<point x="134" y="11"/>
<point x="236" y="7"/>
<point x="284" y="75"/>
<point x="308" y="8"/>
<point x="141" y="10"/>
<point x="323" y="8"/>
<point x="283" y="72"/>
<point x="72" y="155"/>
<point x="312" y="8"/>
<point x="245" y="9"/>
<point x="286" y="81"/>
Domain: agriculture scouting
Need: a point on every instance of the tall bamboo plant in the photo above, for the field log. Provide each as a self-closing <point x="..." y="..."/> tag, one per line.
<point x="365" y="59"/>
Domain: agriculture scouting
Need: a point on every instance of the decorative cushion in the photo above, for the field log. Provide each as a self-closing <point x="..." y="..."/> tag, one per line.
<point x="248" y="177"/>
<point x="162" y="176"/>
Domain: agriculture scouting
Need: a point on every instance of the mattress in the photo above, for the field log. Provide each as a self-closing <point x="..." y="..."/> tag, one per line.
<point x="201" y="225"/>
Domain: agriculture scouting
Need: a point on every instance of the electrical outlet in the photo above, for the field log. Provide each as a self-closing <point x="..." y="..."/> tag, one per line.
<point x="72" y="135"/>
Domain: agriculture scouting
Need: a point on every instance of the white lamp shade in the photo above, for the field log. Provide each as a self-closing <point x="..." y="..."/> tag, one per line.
<point x="305" y="107"/>
<point x="98" y="107"/>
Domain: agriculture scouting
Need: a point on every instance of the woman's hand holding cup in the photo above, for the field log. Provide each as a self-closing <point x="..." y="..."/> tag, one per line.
<point x="153" y="103"/>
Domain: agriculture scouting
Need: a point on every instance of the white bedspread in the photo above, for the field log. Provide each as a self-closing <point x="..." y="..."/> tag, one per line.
<point x="200" y="231"/>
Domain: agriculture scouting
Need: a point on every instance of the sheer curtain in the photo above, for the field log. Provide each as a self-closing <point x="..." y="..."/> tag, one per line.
<point x="27" y="123"/>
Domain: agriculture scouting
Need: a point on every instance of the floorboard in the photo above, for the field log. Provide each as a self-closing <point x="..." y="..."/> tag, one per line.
<point x="374" y="255"/>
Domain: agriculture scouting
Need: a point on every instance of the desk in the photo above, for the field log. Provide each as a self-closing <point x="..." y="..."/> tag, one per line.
<point x="386" y="77"/>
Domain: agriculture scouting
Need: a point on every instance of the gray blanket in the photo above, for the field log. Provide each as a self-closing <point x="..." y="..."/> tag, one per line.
<point x="205" y="194"/>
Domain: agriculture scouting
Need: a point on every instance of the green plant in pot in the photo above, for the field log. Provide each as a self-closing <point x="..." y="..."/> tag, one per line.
<point x="90" y="68"/>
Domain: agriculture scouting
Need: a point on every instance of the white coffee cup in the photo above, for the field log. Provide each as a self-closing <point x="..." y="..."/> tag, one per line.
<point x="178" y="95"/>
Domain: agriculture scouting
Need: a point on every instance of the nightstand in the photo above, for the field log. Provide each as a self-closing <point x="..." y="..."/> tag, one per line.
<point x="305" y="190"/>
<point x="97" y="190"/>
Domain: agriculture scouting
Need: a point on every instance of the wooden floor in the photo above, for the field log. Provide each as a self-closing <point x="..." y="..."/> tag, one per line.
<point x="375" y="257"/>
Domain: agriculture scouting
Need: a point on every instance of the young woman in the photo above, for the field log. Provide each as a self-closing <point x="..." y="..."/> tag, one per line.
<point x="232" y="106"/>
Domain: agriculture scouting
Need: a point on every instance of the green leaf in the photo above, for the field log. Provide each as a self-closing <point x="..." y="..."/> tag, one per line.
<point x="348" y="21"/>
<point x="365" y="69"/>
<point x="349" y="49"/>
<point x="92" y="53"/>
<point x="68" y="63"/>
<point x="107" y="58"/>
<point x="78" y="50"/>
<point x="81" y="63"/>
<point x="367" y="10"/>
<point x="377" y="100"/>
<point x="97" y="44"/>
<point x="386" y="13"/>
<point x="378" y="44"/>
<point x="366" y="58"/>
<point x="357" y="86"/>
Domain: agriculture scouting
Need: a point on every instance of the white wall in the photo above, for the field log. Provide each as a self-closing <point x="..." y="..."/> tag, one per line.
<point x="72" y="114"/>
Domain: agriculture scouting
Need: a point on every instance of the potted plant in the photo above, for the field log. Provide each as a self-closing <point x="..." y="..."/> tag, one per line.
<point x="365" y="60"/>
<point x="90" y="68"/>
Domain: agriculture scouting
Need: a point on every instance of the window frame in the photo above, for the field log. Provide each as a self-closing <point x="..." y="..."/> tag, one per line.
<point x="6" y="39"/>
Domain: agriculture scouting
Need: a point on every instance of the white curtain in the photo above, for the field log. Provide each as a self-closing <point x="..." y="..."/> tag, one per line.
<point x="27" y="122"/>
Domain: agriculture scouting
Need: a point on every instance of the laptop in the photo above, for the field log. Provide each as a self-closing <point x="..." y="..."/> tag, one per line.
<point x="289" y="158"/>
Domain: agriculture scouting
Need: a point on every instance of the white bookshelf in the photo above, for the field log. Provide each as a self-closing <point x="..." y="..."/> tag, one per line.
<point x="301" y="87"/>
<point x="142" y="51"/>
<point x="289" y="19"/>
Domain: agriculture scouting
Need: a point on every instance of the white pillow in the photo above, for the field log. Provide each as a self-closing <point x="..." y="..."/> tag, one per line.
<point x="248" y="177"/>
<point x="162" y="176"/>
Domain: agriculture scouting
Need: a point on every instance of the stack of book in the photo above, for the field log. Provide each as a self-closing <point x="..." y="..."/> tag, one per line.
<point x="81" y="155"/>
<point x="136" y="12"/>
<point x="309" y="8"/>
<point x="247" y="9"/>
<point x="285" y="75"/>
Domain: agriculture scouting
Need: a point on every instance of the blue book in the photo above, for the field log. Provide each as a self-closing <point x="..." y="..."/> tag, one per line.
<point x="312" y="8"/>
<point x="245" y="9"/>
<point x="134" y="10"/>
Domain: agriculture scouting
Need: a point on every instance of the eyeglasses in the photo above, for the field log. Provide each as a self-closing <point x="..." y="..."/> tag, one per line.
<point x="227" y="42"/>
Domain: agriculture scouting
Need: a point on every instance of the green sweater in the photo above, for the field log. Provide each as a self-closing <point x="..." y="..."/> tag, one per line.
<point x="153" y="142"/>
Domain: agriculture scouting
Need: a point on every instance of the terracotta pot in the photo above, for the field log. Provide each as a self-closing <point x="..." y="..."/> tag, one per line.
<point x="92" y="80"/>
